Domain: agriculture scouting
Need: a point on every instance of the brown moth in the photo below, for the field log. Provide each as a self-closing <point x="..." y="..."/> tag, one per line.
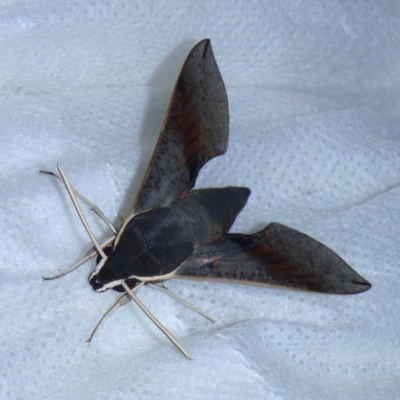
<point x="174" y="231"/>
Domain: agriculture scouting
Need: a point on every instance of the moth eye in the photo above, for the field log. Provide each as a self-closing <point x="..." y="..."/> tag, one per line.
<point x="95" y="282"/>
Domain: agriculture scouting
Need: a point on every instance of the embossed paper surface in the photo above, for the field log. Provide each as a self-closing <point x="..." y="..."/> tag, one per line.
<point x="313" y="92"/>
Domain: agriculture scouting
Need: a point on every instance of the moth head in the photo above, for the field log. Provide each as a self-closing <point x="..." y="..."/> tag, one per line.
<point x="102" y="278"/>
<point x="110" y="272"/>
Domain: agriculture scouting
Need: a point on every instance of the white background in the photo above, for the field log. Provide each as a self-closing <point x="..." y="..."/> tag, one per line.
<point x="313" y="90"/>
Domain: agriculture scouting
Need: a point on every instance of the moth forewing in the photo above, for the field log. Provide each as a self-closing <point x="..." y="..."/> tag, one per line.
<point x="194" y="131"/>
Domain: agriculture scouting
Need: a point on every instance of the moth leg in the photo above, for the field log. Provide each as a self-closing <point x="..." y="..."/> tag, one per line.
<point x="78" y="209"/>
<point x="92" y="206"/>
<point x="164" y="289"/>
<point x="74" y="267"/>
<point x="124" y="299"/>
<point x="162" y="328"/>
<point x="89" y="255"/>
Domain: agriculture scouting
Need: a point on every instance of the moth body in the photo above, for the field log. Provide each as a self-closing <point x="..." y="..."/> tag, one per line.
<point x="155" y="243"/>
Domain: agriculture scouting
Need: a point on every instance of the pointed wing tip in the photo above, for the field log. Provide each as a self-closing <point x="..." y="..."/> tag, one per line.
<point x="204" y="42"/>
<point x="361" y="286"/>
<point x="203" y="46"/>
<point x="354" y="286"/>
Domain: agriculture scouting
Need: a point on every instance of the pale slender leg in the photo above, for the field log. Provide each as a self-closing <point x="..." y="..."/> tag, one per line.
<point x="120" y="302"/>
<point x="162" y="328"/>
<point x="124" y="299"/>
<point x="92" y="206"/>
<point x="80" y="212"/>
<point x="179" y="300"/>
<point x="91" y="254"/>
<point x="74" y="267"/>
<point x="96" y="210"/>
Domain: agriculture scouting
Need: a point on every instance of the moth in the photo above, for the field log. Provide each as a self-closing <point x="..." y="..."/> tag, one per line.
<point x="174" y="231"/>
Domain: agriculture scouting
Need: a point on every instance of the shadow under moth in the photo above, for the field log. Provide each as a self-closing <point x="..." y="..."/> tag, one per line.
<point x="174" y="231"/>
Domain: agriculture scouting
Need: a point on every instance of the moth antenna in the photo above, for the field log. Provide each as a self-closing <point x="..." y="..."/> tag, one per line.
<point x="162" y="328"/>
<point x="124" y="299"/>
<point x="88" y="256"/>
<point x="92" y="206"/>
<point x="80" y="212"/>
<point x="74" y="267"/>
<point x="164" y="289"/>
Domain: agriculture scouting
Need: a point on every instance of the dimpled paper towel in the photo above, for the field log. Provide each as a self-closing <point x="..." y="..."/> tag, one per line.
<point x="313" y="91"/>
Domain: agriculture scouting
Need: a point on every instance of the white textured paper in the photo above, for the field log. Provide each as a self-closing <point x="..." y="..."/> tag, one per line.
<point x="313" y="91"/>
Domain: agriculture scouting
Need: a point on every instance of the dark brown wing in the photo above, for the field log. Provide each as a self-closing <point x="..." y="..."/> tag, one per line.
<point x="278" y="256"/>
<point x="194" y="131"/>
